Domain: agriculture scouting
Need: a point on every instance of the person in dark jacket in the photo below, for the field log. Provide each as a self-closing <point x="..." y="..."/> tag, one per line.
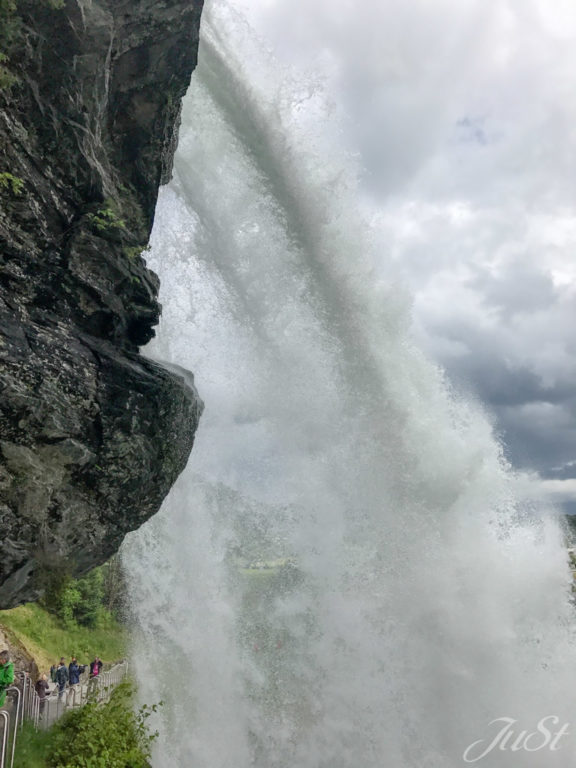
<point x="41" y="689"/>
<point x="53" y="669"/>
<point x="61" y="677"/>
<point x="74" y="671"/>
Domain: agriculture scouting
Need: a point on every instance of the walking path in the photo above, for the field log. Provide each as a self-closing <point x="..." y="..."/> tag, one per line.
<point x="23" y="703"/>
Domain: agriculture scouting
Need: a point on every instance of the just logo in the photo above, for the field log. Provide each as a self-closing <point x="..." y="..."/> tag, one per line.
<point x="546" y="736"/>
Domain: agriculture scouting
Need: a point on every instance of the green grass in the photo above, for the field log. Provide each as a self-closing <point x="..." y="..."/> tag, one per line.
<point x="32" y="747"/>
<point x="46" y="639"/>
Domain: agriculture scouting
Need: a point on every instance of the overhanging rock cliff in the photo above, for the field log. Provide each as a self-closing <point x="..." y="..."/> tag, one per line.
<point x="92" y="435"/>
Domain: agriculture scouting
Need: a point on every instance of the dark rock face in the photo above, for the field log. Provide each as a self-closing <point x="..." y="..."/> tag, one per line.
<point x="92" y="435"/>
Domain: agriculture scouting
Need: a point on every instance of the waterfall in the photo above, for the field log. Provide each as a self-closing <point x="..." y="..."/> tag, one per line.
<point x="348" y="573"/>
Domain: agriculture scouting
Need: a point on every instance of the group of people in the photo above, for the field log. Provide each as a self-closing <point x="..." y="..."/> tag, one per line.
<point x="61" y="675"/>
<point x="67" y="676"/>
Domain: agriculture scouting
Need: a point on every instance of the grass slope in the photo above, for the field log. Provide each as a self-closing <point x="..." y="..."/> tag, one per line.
<point x="46" y="639"/>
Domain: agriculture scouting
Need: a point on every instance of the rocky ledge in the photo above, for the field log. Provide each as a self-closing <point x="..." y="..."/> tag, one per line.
<point x="92" y="434"/>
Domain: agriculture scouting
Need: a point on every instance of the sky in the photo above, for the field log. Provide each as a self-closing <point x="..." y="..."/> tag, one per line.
<point x="462" y="114"/>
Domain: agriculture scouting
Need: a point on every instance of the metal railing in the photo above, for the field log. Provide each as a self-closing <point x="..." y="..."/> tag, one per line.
<point x="8" y="740"/>
<point x="4" y="742"/>
<point x="43" y="713"/>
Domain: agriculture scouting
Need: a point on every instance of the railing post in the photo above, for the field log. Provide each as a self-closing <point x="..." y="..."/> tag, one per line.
<point x="27" y="690"/>
<point x="34" y="708"/>
<point x="32" y="695"/>
<point x="6" y="717"/>
<point x="50" y="701"/>
<point x="16" y="721"/>
<point x="23" y="682"/>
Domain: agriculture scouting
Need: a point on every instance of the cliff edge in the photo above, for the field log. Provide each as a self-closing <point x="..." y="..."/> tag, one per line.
<point x="92" y="435"/>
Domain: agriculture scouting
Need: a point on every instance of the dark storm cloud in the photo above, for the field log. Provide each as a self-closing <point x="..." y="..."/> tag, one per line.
<point x="489" y="372"/>
<point x="534" y="414"/>
<point x="535" y="418"/>
<point x="539" y="438"/>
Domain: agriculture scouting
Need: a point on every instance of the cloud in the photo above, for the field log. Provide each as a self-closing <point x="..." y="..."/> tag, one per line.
<point x="560" y="491"/>
<point x="564" y="472"/>
<point x="519" y="287"/>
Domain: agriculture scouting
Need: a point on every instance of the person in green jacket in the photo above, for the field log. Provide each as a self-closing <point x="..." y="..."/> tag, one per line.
<point x="6" y="675"/>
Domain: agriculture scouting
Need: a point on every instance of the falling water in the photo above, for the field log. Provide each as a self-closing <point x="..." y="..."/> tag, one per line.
<point x="347" y="574"/>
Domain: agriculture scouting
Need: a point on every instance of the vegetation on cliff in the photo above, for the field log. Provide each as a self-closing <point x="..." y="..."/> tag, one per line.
<point x="81" y="617"/>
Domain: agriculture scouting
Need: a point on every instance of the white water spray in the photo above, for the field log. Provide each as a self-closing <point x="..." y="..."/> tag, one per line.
<point x="346" y="574"/>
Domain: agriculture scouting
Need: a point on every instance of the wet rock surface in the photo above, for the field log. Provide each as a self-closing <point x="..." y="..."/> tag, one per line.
<point x="92" y="434"/>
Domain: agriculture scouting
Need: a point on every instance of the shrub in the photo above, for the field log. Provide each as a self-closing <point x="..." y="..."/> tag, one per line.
<point x="82" y="601"/>
<point x="60" y="595"/>
<point x="104" y="735"/>
<point x="133" y="251"/>
<point x="68" y="602"/>
<point x="8" y="181"/>
<point x="89" y="609"/>
<point x="105" y="220"/>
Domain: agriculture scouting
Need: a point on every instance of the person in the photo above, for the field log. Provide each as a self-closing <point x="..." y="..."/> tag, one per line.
<point x="53" y="669"/>
<point x="61" y="677"/>
<point x="74" y="672"/>
<point x="95" y="667"/>
<point x="6" y="675"/>
<point x="41" y="689"/>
